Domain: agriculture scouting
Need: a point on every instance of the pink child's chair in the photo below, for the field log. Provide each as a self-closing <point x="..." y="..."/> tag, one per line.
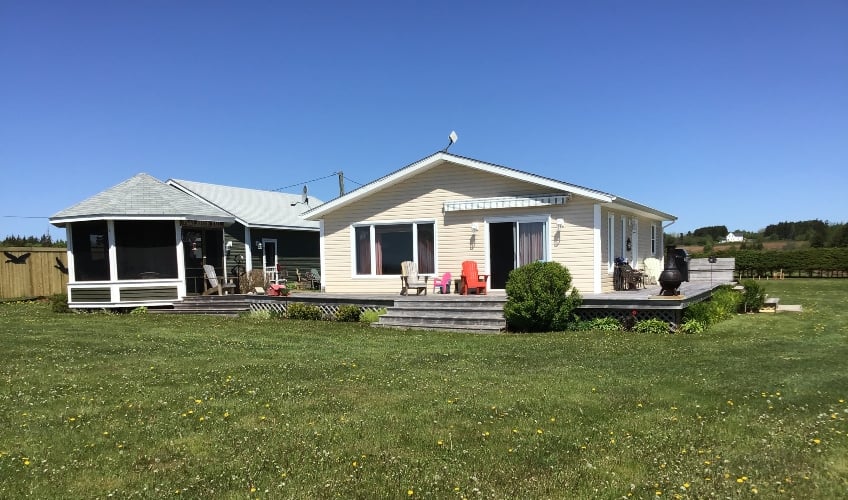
<point x="444" y="283"/>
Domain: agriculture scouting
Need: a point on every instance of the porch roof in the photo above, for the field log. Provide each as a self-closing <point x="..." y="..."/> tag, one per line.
<point x="254" y="207"/>
<point x="141" y="197"/>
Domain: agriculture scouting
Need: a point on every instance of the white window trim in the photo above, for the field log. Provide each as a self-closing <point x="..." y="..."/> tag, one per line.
<point x="372" y="234"/>
<point x="610" y="243"/>
<point x="624" y="237"/>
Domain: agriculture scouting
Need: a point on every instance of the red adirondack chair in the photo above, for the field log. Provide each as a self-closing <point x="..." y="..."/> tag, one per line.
<point x="472" y="279"/>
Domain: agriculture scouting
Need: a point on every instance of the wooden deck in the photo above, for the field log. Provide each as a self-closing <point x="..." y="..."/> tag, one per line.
<point x="646" y="301"/>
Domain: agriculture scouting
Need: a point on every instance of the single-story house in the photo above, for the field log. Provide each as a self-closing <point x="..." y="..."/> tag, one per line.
<point x="445" y="209"/>
<point x="144" y="242"/>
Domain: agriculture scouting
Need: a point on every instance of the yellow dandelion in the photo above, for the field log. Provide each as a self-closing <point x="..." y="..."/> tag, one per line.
<point x="226" y="414"/>
<point x="515" y="431"/>
<point x="440" y="442"/>
<point x="262" y="417"/>
<point x="486" y="434"/>
<point x="686" y="486"/>
<point x="539" y="431"/>
<point x="105" y="433"/>
<point x="754" y="491"/>
<point x="410" y="492"/>
<point x="553" y="419"/>
<point x="740" y="480"/>
<point x="253" y="489"/>
<point x="198" y="401"/>
<point x="354" y="464"/>
<point x="201" y="419"/>
<point x="72" y="419"/>
<point x="817" y="441"/>
<point x="26" y="461"/>
<point x="730" y="402"/>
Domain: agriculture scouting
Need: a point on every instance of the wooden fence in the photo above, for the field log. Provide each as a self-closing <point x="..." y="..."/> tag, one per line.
<point x="41" y="273"/>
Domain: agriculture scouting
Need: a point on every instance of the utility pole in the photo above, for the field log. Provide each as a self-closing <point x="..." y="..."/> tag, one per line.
<point x="341" y="183"/>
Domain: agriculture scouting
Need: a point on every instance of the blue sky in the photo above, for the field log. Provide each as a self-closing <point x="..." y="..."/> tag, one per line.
<point x="722" y="113"/>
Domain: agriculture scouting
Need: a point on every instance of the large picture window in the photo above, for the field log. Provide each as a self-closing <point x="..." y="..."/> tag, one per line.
<point x="146" y="249"/>
<point x="380" y="248"/>
<point x="91" y="251"/>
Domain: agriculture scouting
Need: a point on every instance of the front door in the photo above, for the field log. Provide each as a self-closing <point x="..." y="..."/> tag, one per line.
<point x="269" y="259"/>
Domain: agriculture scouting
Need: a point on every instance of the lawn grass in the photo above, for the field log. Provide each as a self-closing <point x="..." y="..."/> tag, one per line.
<point x="94" y="405"/>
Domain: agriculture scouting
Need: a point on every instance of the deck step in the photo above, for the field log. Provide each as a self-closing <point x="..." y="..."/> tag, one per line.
<point x="226" y="305"/>
<point x="467" y="314"/>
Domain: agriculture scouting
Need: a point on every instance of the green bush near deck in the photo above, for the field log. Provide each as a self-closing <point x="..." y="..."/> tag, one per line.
<point x="299" y="310"/>
<point x="538" y="298"/>
<point x="348" y="313"/>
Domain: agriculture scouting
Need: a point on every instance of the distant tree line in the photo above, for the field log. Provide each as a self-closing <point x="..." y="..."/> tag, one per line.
<point x="45" y="240"/>
<point x="817" y="234"/>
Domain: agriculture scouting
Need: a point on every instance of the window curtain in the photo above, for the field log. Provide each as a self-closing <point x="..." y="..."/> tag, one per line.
<point x="363" y="250"/>
<point x="530" y="246"/>
<point x="426" y="258"/>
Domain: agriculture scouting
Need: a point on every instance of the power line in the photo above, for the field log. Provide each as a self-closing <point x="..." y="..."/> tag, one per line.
<point x="306" y="182"/>
<point x="25" y="216"/>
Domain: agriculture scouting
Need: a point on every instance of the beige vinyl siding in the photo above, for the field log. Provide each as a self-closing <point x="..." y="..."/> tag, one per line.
<point x="421" y="199"/>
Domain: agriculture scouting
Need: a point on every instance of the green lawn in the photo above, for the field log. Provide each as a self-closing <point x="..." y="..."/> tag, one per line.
<point x="155" y="406"/>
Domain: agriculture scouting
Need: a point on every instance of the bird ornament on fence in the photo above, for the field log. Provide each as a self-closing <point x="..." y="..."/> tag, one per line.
<point x="16" y="259"/>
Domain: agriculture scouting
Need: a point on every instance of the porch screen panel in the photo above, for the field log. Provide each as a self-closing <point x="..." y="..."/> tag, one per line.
<point x="91" y="250"/>
<point x="146" y="249"/>
<point x="426" y="244"/>
<point x="530" y="242"/>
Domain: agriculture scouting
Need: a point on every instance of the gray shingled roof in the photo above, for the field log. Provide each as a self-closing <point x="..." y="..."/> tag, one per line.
<point x="255" y="207"/>
<point x="141" y="196"/>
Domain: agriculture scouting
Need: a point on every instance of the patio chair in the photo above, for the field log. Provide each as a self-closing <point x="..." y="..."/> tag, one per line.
<point x="315" y="278"/>
<point x="442" y="284"/>
<point x="215" y="285"/>
<point x="652" y="270"/>
<point x="409" y="278"/>
<point x="471" y="278"/>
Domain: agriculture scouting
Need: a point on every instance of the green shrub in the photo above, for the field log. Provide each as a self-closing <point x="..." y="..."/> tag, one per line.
<point x="699" y="312"/>
<point x="139" y="310"/>
<point x="371" y="316"/>
<point x="538" y="298"/>
<point x="692" y="326"/>
<point x="651" y="326"/>
<point x="261" y="315"/>
<point x="59" y="303"/>
<point x="607" y="324"/>
<point x="348" y="312"/>
<point x="299" y="310"/>
<point x="753" y="297"/>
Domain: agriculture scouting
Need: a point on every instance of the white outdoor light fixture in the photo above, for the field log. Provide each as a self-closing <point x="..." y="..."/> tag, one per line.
<point x="474" y="227"/>
<point x="560" y="223"/>
<point x="259" y="244"/>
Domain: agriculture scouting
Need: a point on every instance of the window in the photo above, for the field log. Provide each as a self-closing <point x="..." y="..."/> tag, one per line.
<point x="653" y="239"/>
<point x="91" y="250"/>
<point x="380" y="248"/>
<point x="145" y="249"/>
<point x="623" y="237"/>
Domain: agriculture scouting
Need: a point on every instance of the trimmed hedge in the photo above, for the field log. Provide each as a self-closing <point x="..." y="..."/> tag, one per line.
<point x="807" y="262"/>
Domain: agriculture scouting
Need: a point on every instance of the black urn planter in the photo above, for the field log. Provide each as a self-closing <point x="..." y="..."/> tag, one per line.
<point x="671" y="277"/>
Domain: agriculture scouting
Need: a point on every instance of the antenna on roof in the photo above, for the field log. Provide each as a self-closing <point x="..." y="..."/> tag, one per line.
<point x="452" y="138"/>
<point x="304" y="198"/>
